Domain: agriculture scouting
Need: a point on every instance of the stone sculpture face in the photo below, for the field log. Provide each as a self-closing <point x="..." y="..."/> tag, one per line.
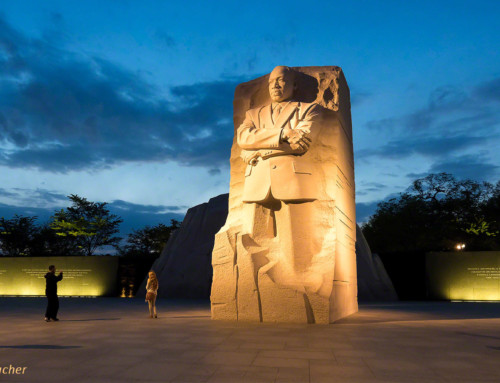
<point x="281" y="84"/>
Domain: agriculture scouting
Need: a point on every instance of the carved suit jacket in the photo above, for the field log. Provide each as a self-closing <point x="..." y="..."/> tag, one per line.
<point x="280" y="171"/>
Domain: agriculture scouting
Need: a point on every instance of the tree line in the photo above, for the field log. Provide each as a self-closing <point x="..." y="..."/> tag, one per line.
<point x="81" y="229"/>
<point x="437" y="213"/>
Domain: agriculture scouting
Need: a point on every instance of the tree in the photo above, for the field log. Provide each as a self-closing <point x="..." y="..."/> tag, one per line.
<point x="149" y="240"/>
<point x="47" y="243"/>
<point x="17" y="235"/>
<point x="90" y="223"/>
<point x="436" y="213"/>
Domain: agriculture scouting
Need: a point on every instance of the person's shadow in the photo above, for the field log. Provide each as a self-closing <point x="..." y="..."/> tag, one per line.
<point x="90" y="320"/>
<point x="41" y="347"/>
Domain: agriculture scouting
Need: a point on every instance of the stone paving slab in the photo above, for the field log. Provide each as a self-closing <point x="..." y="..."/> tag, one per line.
<point x="113" y="340"/>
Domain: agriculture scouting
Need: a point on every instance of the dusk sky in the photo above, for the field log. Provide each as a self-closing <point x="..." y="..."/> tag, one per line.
<point x="130" y="103"/>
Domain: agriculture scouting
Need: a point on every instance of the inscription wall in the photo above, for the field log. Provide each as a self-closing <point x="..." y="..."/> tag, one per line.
<point x="82" y="276"/>
<point x="465" y="276"/>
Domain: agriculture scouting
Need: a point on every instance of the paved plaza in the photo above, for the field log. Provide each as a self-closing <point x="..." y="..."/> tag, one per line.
<point x="113" y="340"/>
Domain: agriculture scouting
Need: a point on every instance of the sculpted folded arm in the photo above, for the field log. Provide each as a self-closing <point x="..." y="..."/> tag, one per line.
<point x="250" y="136"/>
<point x="265" y="143"/>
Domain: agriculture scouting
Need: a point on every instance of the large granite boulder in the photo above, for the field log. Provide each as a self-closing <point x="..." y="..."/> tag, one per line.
<point x="374" y="283"/>
<point x="184" y="267"/>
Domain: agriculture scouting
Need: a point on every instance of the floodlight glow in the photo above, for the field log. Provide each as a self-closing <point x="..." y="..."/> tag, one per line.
<point x="82" y="276"/>
<point x="464" y="276"/>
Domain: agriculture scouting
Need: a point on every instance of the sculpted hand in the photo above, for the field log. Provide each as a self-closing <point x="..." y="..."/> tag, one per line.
<point x="300" y="143"/>
<point x="252" y="158"/>
<point x="298" y="139"/>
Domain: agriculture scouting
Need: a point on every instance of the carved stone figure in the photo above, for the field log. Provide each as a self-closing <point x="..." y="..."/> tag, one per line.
<point x="286" y="252"/>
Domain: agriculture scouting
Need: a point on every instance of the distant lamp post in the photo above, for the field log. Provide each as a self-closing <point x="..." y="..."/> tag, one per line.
<point x="460" y="246"/>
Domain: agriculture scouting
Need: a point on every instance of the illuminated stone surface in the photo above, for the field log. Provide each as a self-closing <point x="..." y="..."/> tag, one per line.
<point x="111" y="340"/>
<point x="184" y="267"/>
<point x="287" y="250"/>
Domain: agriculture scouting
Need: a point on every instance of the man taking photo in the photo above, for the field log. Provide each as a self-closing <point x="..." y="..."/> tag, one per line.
<point x="51" y="293"/>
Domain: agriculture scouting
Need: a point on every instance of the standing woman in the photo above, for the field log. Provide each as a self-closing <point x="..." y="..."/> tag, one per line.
<point x="151" y="292"/>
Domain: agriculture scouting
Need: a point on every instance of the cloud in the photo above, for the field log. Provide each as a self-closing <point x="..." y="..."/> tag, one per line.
<point x="62" y="111"/>
<point x="137" y="216"/>
<point x="428" y="145"/>
<point x="43" y="203"/>
<point x="449" y="110"/>
<point x="43" y="214"/>
<point x="468" y="166"/>
<point x="364" y="210"/>
<point x="359" y="97"/>
<point x="37" y="198"/>
<point x="365" y="188"/>
<point x="489" y="90"/>
<point x="122" y="206"/>
<point x="448" y="130"/>
<point x="5" y="193"/>
<point x="476" y="167"/>
<point x="415" y="176"/>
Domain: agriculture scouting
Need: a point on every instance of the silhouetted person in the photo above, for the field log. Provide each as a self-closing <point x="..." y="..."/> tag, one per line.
<point x="51" y="293"/>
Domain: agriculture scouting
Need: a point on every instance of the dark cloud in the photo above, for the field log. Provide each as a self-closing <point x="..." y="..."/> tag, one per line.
<point x="489" y="90"/>
<point x="448" y="129"/>
<point x="6" y="193"/>
<point x="43" y="195"/>
<point x="43" y="214"/>
<point x="385" y="124"/>
<point x="476" y="167"/>
<point x="364" y="210"/>
<point x="365" y="188"/>
<point x="415" y="176"/>
<point x="359" y="97"/>
<point x="135" y="216"/>
<point x="60" y="111"/>
<point x="425" y="145"/>
<point x="468" y="166"/>
<point x="450" y="109"/>
<point x="214" y="172"/>
<point x="145" y="209"/>
<point x="34" y="197"/>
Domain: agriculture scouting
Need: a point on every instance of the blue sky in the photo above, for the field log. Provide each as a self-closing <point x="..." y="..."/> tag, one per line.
<point x="131" y="102"/>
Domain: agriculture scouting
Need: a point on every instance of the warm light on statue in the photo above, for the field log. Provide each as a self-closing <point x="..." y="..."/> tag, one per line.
<point x="286" y="252"/>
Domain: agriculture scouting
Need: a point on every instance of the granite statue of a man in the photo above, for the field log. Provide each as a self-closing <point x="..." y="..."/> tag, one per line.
<point x="280" y="242"/>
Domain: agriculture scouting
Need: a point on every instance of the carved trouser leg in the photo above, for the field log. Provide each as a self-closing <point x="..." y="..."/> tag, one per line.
<point x="291" y="276"/>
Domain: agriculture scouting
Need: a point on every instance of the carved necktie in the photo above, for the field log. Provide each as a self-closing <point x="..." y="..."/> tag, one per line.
<point x="276" y="112"/>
